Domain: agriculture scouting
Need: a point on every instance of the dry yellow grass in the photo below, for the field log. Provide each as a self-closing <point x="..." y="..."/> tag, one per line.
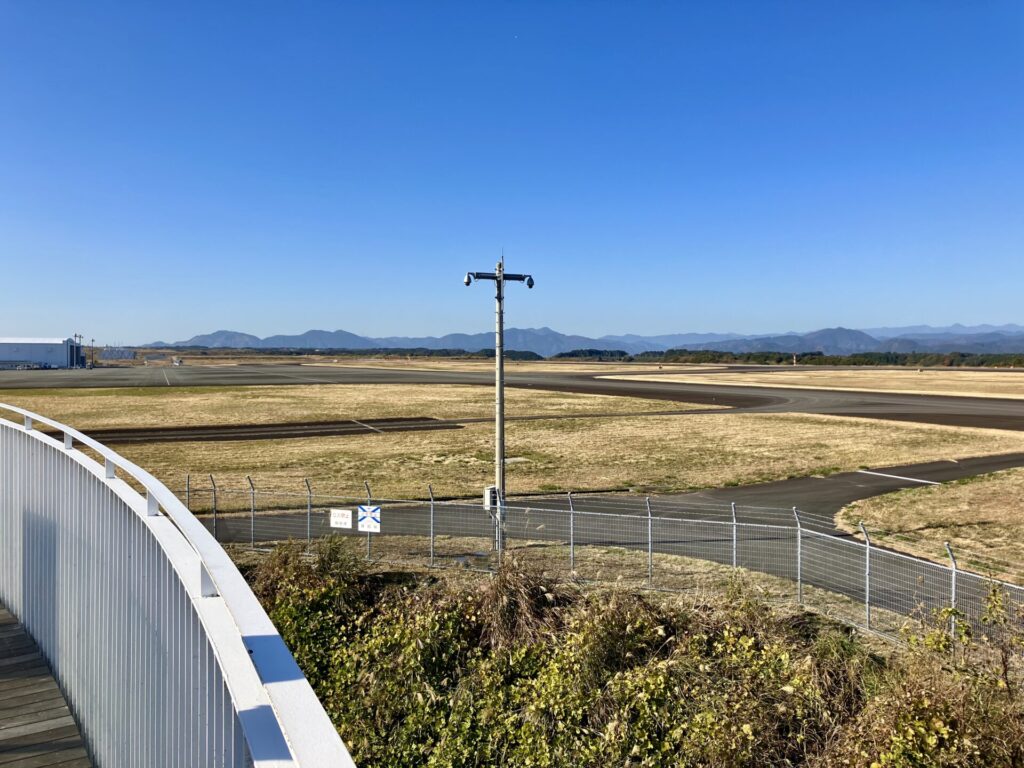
<point x="930" y="381"/>
<point x="186" y="406"/>
<point x="656" y="452"/>
<point x="511" y="366"/>
<point x="982" y="518"/>
<point x="215" y="357"/>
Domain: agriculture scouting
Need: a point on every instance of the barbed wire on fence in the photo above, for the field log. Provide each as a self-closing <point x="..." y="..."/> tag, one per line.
<point x="641" y="541"/>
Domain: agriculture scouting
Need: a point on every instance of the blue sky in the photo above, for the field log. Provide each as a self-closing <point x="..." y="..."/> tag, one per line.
<point x="174" y="168"/>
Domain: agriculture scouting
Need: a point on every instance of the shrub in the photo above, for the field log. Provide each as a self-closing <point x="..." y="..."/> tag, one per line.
<point x="520" y="670"/>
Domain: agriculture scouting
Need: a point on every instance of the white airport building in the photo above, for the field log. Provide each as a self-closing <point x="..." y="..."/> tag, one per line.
<point x="41" y="353"/>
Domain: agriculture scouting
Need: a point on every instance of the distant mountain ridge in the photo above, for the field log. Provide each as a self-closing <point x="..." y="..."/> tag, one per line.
<point x="956" y="330"/>
<point x="831" y="341"/>
<point x="547" y="342"/>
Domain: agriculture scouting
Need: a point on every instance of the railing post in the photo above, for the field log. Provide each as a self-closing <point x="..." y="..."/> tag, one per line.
<point x="650" y="545"/>
<point x="369" y="503"/>
<point x="252" y="513"/>
<point x="867" y="574"/>
<point x="213" y="485"/>
<point x="430" y="490"/>
<point x="952" y="589"/>
<point x="309" y="512"/>
<point x="188" y="492"/>
<point x="572" y="536"/>
<point x="152" y="505"/>
<point x="734" y="547"/>
<point x="799" y="558"/>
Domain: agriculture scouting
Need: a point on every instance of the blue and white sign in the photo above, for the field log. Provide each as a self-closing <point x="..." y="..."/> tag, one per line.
<point x="369" y="519"/>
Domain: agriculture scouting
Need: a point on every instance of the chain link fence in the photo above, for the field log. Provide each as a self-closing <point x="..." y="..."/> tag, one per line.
<point x="639" y="542"/>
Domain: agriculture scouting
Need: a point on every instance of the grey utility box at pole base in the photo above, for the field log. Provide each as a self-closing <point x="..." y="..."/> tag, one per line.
<point x="491" y="497"/>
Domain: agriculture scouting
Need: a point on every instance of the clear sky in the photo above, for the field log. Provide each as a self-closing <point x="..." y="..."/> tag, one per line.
<point x="174" y="168"/>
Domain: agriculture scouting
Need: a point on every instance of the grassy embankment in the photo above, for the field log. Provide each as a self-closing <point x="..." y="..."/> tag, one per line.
<point x="421" y="670"/>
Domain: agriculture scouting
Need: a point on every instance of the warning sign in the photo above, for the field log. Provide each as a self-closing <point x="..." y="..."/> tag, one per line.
<point x="369" y="519"/>
<point x="341" y="518"/>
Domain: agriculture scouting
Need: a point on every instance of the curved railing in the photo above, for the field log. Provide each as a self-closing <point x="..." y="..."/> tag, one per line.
<point x="161" y="649"/>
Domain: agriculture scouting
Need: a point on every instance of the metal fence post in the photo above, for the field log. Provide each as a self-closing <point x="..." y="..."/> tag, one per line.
<point x="369" y="503"/>
<point x="252" y="513"/>
<point x="430" y="490"/>
<point x="734" y="547"/>
<point x="650" y="545"/>
<point x="867" y="574"/>
<point x="799" y="558"/>
<point x="572" y="536"/>
<point x="309" y="512"/>
<point x="188" y="492"/>
<point x="952" y="589"/>
<point x="499" y="522"/>
<point x="214" y="486"/>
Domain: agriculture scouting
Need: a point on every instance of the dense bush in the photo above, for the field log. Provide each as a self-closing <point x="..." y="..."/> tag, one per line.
<point x="516" y="670"/>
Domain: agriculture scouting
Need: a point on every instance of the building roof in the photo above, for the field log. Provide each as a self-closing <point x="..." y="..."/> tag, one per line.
<point x="16" y="340"/>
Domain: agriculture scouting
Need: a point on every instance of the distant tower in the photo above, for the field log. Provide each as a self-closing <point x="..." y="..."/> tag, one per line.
<point x="794" y="358"/>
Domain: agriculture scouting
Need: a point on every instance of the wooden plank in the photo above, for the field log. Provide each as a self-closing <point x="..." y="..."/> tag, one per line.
<point x="33" y="714"/>
<point x="22" y="687"/>
<point x="37" y="729"/>
<point x="24" y="673"/>
<point x="29" y="711"/>
<point x="61" y="759"/>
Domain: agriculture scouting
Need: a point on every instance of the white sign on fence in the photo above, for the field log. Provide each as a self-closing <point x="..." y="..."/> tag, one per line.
<point x="341" y="518"/>
<point x="369" y="519"/>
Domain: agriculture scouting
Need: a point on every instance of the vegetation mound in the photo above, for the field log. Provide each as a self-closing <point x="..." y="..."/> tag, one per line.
<point x="518" y="670"/>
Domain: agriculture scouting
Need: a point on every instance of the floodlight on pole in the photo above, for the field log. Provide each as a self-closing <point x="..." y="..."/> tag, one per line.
<point x="500" y="277"/>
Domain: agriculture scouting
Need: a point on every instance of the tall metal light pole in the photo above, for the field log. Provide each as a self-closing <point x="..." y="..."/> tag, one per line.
<point x="500" y="277"/>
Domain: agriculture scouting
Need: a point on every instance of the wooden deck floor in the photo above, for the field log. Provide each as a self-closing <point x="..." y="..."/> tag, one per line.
<point x="36" y="728"/>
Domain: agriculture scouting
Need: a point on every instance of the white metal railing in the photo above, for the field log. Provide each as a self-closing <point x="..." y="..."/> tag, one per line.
<point x="161" y="649"/>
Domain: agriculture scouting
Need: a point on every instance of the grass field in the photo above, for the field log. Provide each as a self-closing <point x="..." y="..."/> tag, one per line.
<point x="407" y="362"/>
<point x="511" y="366"/>
<point x="930" y="381"/>
<point x="658" y="453"/>
<point x="186" y="406"/>
<point x="981" y="517"/>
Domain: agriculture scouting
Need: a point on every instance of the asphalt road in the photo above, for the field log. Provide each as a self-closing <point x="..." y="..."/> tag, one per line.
<point x="996" y="413"/>
<point x="817" y="499"/>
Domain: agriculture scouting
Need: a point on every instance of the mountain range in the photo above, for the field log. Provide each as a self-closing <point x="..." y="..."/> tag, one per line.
<point x="547" y="342"/>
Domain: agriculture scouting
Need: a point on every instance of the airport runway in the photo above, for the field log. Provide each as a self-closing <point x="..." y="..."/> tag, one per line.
<point x="995" y="413"/>
<point x="833" y="566"/>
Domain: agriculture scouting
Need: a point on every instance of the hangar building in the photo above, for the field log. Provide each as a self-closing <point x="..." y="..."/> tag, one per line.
<point x="41" y="353"/>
